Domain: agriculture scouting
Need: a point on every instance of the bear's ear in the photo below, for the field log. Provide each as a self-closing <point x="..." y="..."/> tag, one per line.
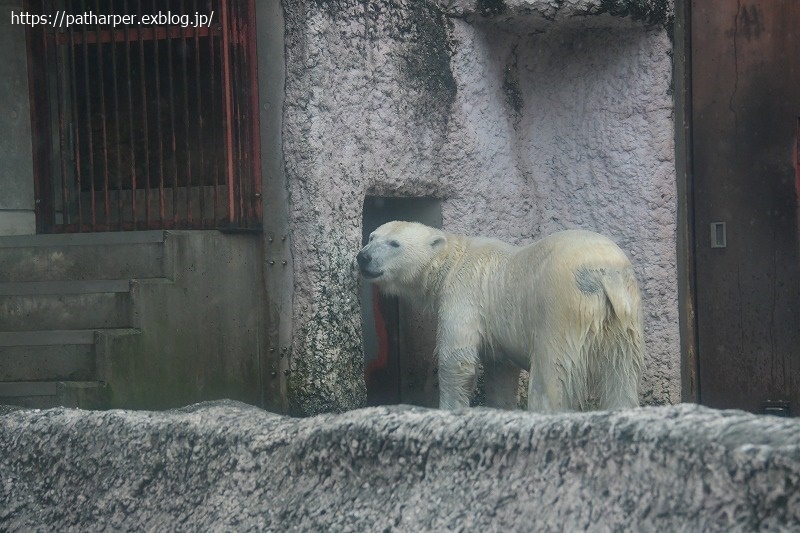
<point x="438" y="242"/>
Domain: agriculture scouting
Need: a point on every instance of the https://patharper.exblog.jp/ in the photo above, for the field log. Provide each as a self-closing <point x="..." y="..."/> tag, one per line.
<point x="62" y="19"/>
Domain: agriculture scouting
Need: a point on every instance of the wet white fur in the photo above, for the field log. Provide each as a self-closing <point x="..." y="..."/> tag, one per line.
<point x="567" y="308"/>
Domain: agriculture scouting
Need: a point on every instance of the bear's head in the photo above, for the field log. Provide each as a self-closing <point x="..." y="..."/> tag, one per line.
<point x="397" y="253"/>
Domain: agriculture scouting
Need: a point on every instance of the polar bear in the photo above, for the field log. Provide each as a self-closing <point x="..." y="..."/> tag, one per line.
<point x="566" y="308"/>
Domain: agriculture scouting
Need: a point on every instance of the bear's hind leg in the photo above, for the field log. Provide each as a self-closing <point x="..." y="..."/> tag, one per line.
<point x="557" y="380"/>
<point x="618" y="379"/>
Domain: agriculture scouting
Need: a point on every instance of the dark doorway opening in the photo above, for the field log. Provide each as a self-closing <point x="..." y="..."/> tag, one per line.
<point x="398" y="340"/>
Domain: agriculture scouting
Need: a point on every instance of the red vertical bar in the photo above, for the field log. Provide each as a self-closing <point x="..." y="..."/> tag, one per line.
<point x="159" y="111"/>
<point x="199" y="117"/>
<point x="89" y="132"/>
<point x="131" y="137"/>
<point x="797" y="161"/>
<point x="63" y="149"/>
<point x="186" y="128"/>
<point x="104" y="123"/>
<point x="228" y="111"/>
<point x="113" y="48"/>
<point x="75" y="124"/>
<point x="254" y="122"/>
<point x="239" y="88"/>
<point x="797" y="172"/>
<point x="145" y="128"/>
<point x="36" y="39"/>
<point x="212" y="47"/>
<point x="173" y="141"/>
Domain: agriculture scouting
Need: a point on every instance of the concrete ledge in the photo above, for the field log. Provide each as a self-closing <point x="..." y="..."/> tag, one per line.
<point x="83" y="239"/>
<point x="227" y="466"/>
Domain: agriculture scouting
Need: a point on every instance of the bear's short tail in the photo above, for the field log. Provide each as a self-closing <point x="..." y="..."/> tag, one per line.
<point x="621" y="346"/>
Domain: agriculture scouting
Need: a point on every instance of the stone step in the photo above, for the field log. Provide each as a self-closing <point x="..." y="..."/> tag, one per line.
<point x="65" y="305"/>
<point x="73" y="355"/>
<point x="57" y="355"/>
<point x="48" y="394"/>
<point x="83" y="256"/>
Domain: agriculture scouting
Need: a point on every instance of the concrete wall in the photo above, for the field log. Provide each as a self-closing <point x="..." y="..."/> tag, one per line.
<point x="201" y="334"/>
<point x="523" y="122"/>
<point x="16" y="160"/>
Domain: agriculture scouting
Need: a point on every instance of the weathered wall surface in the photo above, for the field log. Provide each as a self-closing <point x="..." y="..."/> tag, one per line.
<point x="226" y="466"/>
<point x="16" y="159"/>
<point x="522" y="122"/>
<point x="201" y="332"/>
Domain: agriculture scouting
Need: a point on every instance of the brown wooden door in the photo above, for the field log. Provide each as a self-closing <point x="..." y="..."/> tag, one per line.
<point x="745" y="108"/>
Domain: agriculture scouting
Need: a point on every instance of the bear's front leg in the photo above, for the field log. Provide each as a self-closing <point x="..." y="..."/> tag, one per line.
<point x="457" y="343"/>
<point x="457" y="379"/>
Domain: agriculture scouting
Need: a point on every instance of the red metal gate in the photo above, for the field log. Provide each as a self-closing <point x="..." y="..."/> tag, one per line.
<point x="144" y="115"/>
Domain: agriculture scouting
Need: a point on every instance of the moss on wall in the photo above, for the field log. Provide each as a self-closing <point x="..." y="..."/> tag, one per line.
<point x="327" y="372"/>
<point x="651" y="12"/>
<point x="487" y="8"/>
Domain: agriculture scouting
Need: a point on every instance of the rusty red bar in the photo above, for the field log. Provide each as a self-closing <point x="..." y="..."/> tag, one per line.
<point x="145" y="128"/>
<point x="214" y="116"/>
<point x="186" y="128"/>
<point x="199" y="117"/>
<point x="76" y="134"/>
<point x="114" y="74"/>
<point x="238" y="120"/>
<point x="797" y="174"/>
<point x="104" y="127"/>
<point x="161" y="200"/>
<point x="254" y="121"/>
<point x="61" y="81"/>
<point x="36" y="42"/>
<point x="88" y="125"/>
<point x="173" y="141"/>
<point x="129" y="64"/>
<point x="228" y="112"/>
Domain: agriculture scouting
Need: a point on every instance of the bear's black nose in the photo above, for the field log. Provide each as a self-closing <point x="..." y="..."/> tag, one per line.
<point x="363" y="258"/>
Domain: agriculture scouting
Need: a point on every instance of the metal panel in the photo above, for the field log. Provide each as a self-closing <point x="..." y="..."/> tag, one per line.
<point x="746" y="100"/>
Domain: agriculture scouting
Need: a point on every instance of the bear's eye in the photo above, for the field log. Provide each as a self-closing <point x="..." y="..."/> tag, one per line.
<point x="394" y="244"/>
<point x="371" y="238"/>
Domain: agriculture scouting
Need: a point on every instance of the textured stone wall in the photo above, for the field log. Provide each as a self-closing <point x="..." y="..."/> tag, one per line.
<point x="525" y="121"/>
<point x="229" y="467"/>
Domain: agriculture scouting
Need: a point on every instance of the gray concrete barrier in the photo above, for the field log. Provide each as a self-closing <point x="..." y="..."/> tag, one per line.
<point x="228" y="466"/>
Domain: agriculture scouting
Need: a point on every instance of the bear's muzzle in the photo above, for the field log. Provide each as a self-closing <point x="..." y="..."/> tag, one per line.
<point x="364" y="259"/>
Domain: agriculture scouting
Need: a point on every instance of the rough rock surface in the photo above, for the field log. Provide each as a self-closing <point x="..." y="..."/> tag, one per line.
<point x="520" y="130"/>
<point x="228" y="466"/>
<point x="539" y="13"/>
